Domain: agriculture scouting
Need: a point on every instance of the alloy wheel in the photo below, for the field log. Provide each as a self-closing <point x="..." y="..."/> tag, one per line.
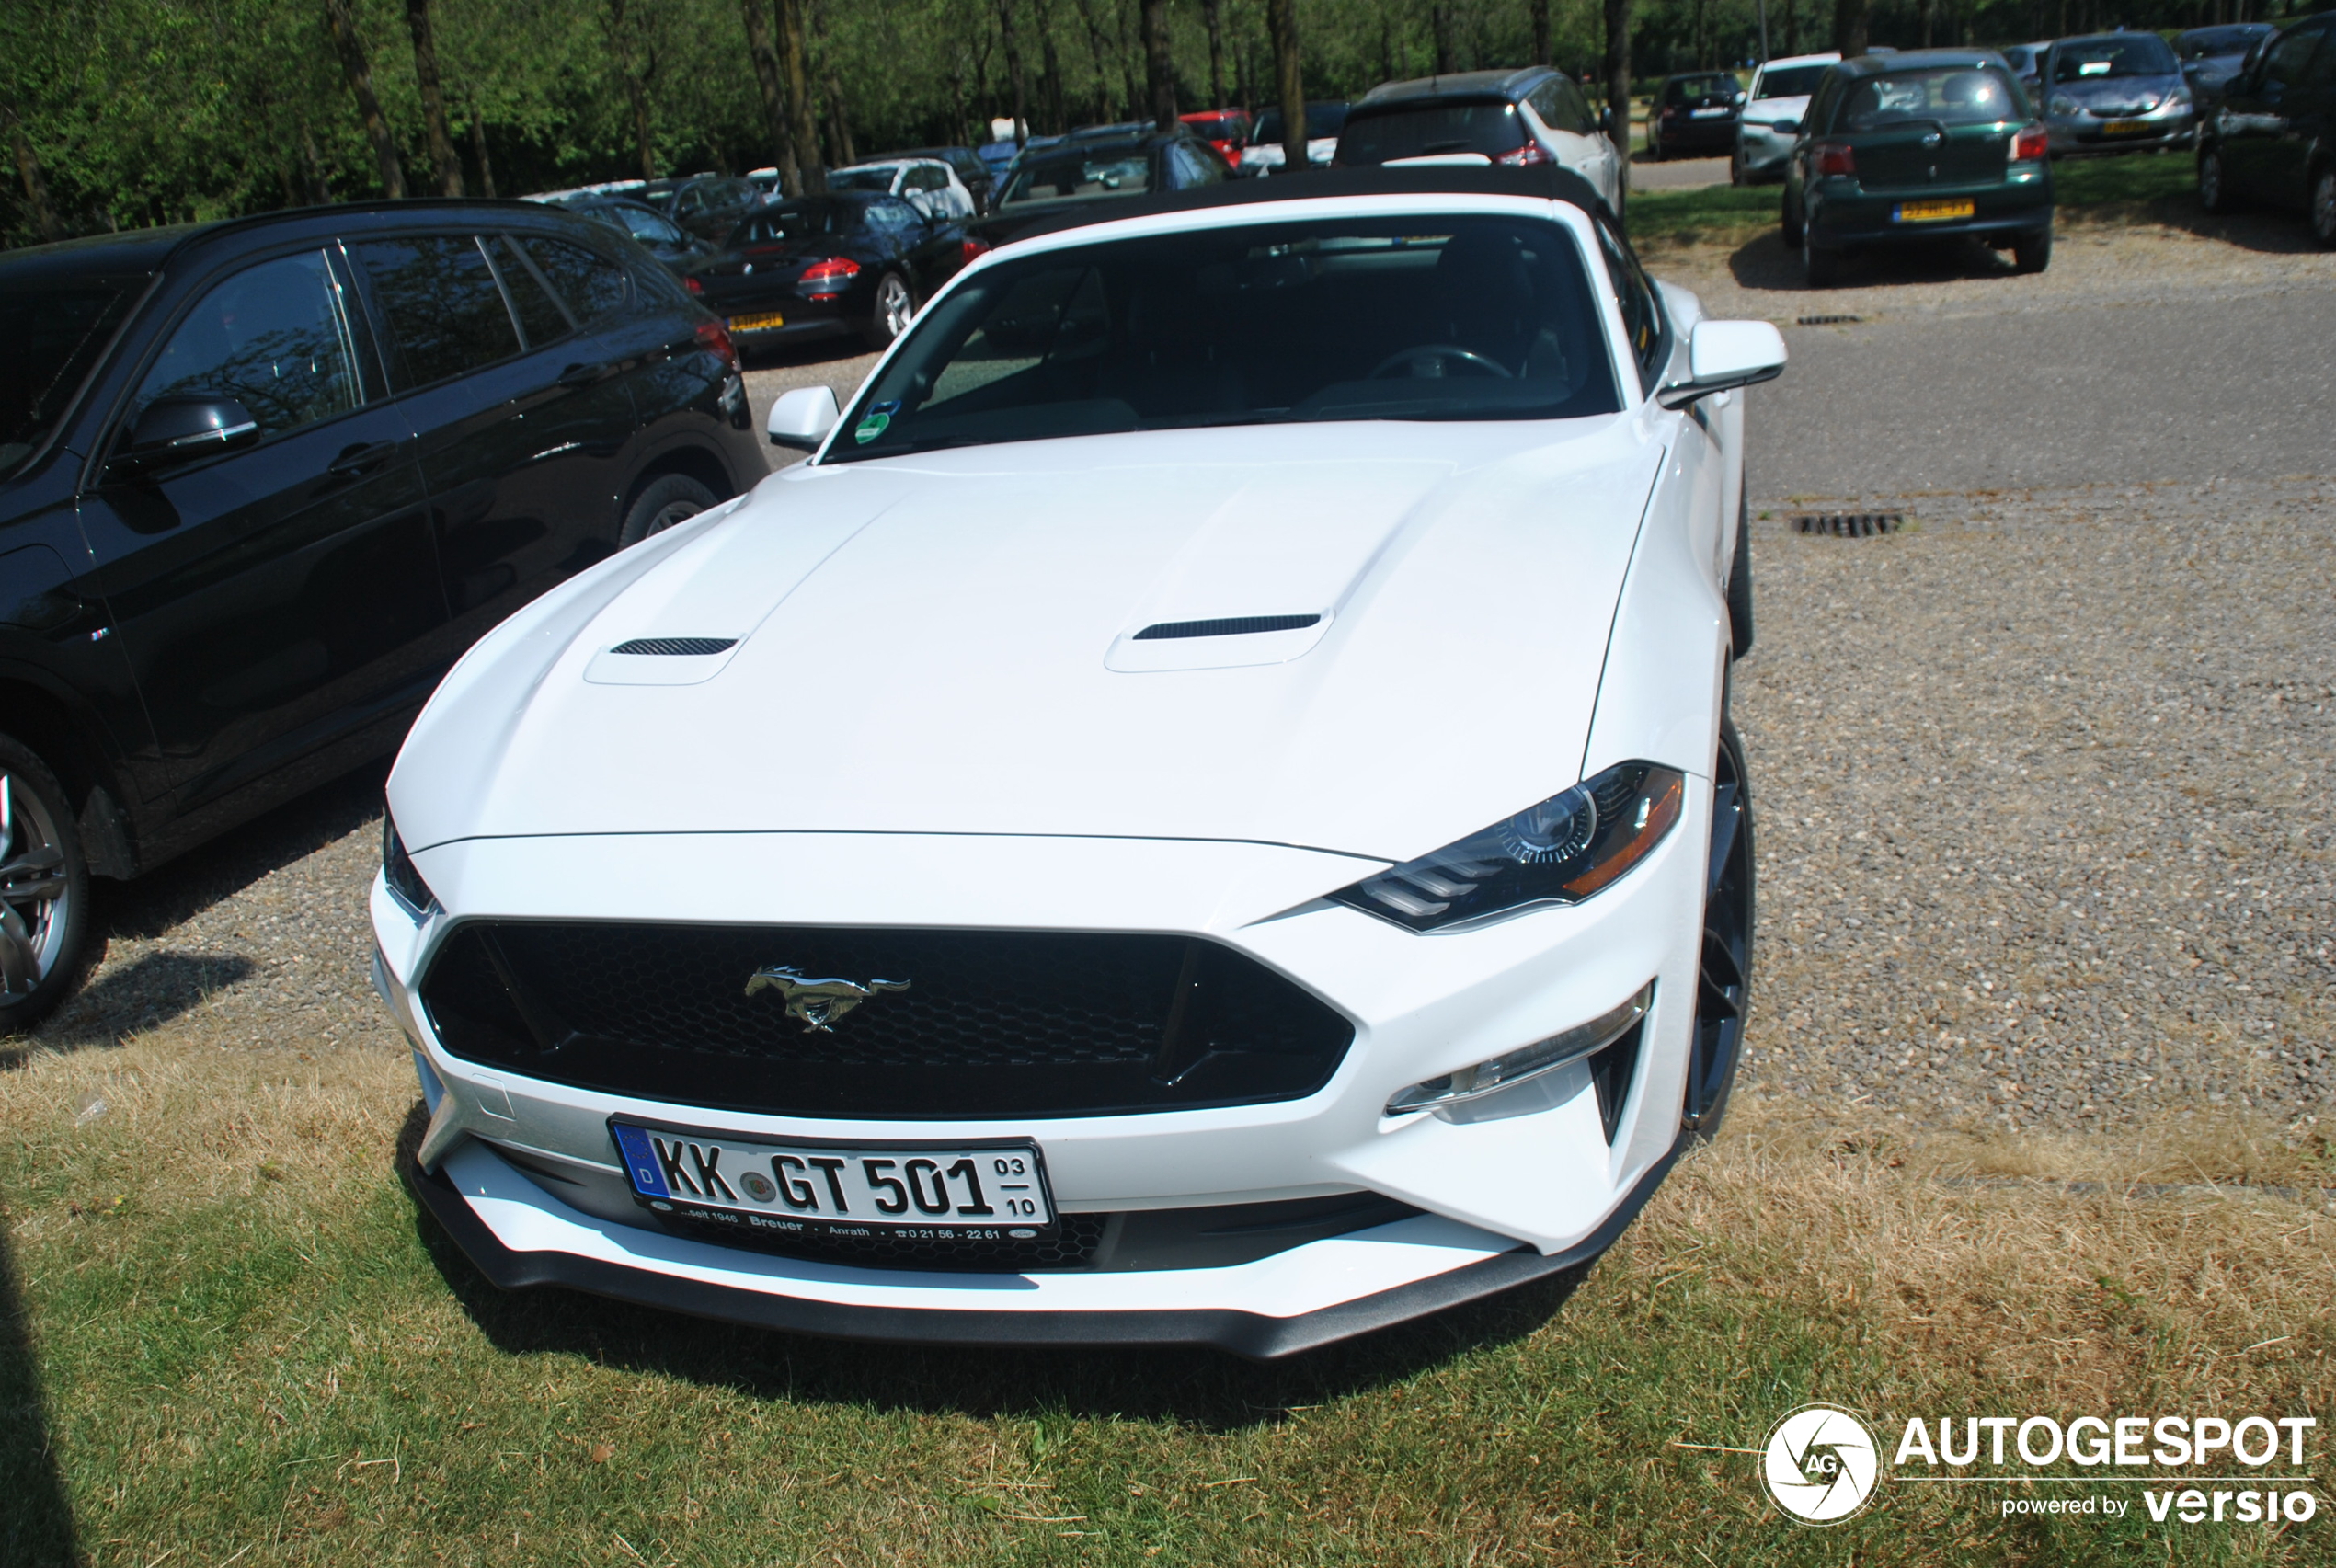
<point x="893" y="307"/>
<point x="35" y="891"/>
<point x="671" y="514"/>
<point x="1723" y="976"/>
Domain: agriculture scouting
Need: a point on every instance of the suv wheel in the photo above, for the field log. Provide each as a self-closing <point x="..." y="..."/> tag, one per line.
<point x="2323" y="215"/>
<point x="2214" y="184"/>
<point x="666" y="501"/>
<point x="895" y="306"/>
<point x="44" y="890"/>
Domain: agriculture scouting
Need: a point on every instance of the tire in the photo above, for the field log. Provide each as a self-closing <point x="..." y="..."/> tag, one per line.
<point x="1724" y="972"/>
<point x="2323" y="206"/>
<point x="2213" y="183"/>
<point x="44" y="891"/>
<point x="2031" y="252"/>
<point x="1735" y="173"/>
<point x="1789" y="220"/>
<point x="896" y="302"/>
<point x="667" y="501"/>
<point x="1821" y="268"/>
<point x="1740" y="583"/>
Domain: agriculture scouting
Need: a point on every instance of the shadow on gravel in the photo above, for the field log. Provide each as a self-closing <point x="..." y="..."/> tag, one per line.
<point x="1768" y="263"/>
<point x="1203" y="1389"/>
<point x="36" y="1521"/>
<point x="2272" y="233"/>
<point x="154" y="988"/>
<point x="819" y="351"/>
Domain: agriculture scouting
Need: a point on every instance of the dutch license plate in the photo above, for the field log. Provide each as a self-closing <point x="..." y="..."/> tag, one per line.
<point x="1705" y="113"/>
<point x="953" y="1191"/>
<point x="766" y="321"/>
<point x="2126" y="126"/>
<point x="1932" y="211"/>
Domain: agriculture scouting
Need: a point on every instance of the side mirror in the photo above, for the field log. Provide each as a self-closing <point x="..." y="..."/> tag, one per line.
<point x="802" y="418"/>
<point x="180" y="430"/>
<point x="1722" y="355"/>
<point x="1606" y="120"/>
<point x="1788" y="127"/>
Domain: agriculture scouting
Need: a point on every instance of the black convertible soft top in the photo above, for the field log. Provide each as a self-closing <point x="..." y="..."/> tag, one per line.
<point x="1544" y="182"/>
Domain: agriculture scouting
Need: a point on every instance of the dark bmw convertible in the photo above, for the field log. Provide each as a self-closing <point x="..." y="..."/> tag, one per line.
<point x="822" y="265"/>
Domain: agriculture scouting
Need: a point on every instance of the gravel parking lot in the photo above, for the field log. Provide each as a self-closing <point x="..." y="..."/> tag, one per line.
<point x="2043" y="780"/>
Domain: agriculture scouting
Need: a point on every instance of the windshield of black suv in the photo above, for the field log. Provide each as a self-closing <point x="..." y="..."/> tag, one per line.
<point x="48" y="339"/>
<point x="1073" y="173"/>
<point x="1461" y="317"/>
<point x="2097" y="59"/>
<point x="1938" y="95"/>
<point x="1792" y="82"/>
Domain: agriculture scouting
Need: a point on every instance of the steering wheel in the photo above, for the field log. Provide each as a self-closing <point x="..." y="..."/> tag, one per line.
<point x="1484" y="364"/>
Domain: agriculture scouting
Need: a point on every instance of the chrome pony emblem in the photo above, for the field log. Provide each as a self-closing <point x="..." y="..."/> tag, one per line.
<point x="817" y="1002"/>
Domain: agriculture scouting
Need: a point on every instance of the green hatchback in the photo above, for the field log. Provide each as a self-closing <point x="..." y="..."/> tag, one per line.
<point x="1914" y="147"/>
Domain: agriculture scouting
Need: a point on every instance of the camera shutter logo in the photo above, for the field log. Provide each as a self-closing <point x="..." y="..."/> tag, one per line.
<point x="1820" y="1464"/>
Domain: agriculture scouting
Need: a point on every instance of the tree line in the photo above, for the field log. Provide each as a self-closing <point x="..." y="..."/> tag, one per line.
<point x="126" y="113"/>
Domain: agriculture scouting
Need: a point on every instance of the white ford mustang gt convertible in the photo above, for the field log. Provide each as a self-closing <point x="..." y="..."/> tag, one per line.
<point x="1204" y="813"/>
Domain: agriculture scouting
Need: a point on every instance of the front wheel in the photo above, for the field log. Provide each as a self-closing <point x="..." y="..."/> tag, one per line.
<point x="665" y="503"/>
<point x="2323" y="215"/>
<point x="44" y="890"/>
<point x="895" y="306"/>
<point x="2031" y="252"/>
<point x="2214" y="182"/>
<point x="1723" y="973"/>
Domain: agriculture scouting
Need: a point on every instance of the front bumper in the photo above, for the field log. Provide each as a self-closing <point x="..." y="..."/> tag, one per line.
<point x="1508" y="1192"/>
<point x="2084" y="134"/>
<point x="1698" y="135"/>
<point x="1762" y="152"/>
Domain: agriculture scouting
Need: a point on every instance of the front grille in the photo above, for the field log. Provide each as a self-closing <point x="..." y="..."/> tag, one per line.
<point x="988" y="1023"/>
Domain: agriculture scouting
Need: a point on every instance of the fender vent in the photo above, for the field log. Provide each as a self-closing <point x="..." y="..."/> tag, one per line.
<point x="697" y="646"/>
<point x="1850" y="524"/>
<point x="1238" y="626"/>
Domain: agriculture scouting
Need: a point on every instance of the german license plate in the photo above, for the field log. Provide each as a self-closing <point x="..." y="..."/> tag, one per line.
<point x="969" y="1191"/>
<point x="764" y="321"/>
<point x="2126" y="126"/>
<point x="1932" y="211"/>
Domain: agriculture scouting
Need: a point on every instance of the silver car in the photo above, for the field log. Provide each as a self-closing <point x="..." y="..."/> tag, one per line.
<point x="2114" y="93"/>
<point x="1773" y="109"/>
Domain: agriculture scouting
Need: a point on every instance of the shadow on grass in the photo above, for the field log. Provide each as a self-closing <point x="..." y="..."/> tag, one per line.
<point x="152" y="990"/>
<point x="36" y="1521"/>
<point x="1197" y="1386"/>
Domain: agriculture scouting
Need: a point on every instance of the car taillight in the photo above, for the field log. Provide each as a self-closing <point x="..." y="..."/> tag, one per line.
<point x="714" y="335"/>
<point x="969" y="248"/>
<point x="2030" y="144"/>
<point x="825" y="280"/>
<point x="1670" y="111"/>
<point x="1836" y="157"/>
<point x="694" y="285"/>
<point x="1531" y="153"/>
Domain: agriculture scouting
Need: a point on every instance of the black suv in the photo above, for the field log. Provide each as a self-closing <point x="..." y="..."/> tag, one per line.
<point x="2273" y="138"/>
<point x="262" y="481"/>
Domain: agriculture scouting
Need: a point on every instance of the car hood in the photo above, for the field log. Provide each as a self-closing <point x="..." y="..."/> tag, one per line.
<point x="2138" y="93"/>
<point x="1776" y="108"/>
<point x="946" y="644"/>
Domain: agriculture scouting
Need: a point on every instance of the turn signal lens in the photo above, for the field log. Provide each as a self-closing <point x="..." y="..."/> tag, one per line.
<point x="1531" y="153"/>
<point x="971" y="248"/>
<point x="2030" y="144"/>
<point x="1515" y="1067"/>
<point x="1836" y="157"/>
<point x="825" y="280"/>
<point x="1568" y="848"/>
<point x="694" y="286"/>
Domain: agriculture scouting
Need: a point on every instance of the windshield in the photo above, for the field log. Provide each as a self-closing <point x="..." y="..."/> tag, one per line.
<point x="1321" y="120"/>
<point x="49" y="340"/>
<point x="2097" y="59"/>
<point x="1079" y="174"/>
<point x="1952" y="95"/>
<point x="1361" y="318"/>
<point x="1792" y="82"/>
<point x="1488" y="127"/>
<point x="1685" y="87"/>
<point x="2204" y="43"/>
<point x="878" y="179"/>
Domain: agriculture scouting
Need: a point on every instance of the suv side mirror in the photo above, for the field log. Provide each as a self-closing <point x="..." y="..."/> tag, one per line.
<point x="1722" y="355"/>
<point x="180" y="430"/>
<point x="802" y="418"/>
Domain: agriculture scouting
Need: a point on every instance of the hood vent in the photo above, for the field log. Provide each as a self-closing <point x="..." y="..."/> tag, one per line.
<point x="1238" y="626"/>
<point x="689" y="647"/>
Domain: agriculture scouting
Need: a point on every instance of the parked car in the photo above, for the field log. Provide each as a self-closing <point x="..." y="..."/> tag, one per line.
<point x="2026" y="61"/>
<point x="927" y="184"/>
<point x="824" y="266"/>
<point x="1694" y="115"/>
<point x="997" y="158"/>
<point x="1227" y="130"/>
<point x="2273" y="138"/>
<point x="711" y="205"/>
<point x="1197" y="1012"/>
<point x="677" y="251"/>
<point x="1082" y="169"/>
<point x="1262" y="154"/>
<point x="2115" y="93"/>
<point x="1917" y="145"/>
<point x="1516" y="118"/>
<point x="262" y="481"/>
<point x="972" y="170"/>
<point x="2211" y="56"/>
<point x="1771" y="123"/>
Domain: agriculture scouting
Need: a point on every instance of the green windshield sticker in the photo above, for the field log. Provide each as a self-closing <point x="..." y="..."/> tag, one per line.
<point x="871" y="427"/>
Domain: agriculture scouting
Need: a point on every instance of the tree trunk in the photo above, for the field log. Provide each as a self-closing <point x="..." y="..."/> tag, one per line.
<point x="1540" y="15"/>
<point x="351" y="49"/>
<point x="759" y="48"/>
<point x="795" y="67"/>
<point x="35" y="184"/>
<point x="838" y="123"/>
<point x="1439" y="19"/>
<point x="312" y="168"/>
<point x="1792" y="26"/>
<point x="1160" y="69"/>
<point x="1289" y="83"/>
<point x="478" y="151"/>
<point x="1051" y="75"/>
<point x="1929" y="21"/>
<point x="1014" y="73"/>
<point x="1850" y="18"/>
<point x="442" y="156"/>
<point x="1129" y="93"/>
<point x="1618" y="86"/>
<point x="1097" y="46"/>
<point x="1209" y="11"/>
<point x="636" y="92"/>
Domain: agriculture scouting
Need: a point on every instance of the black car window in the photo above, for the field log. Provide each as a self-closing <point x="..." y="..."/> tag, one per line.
<point x="1321" y="120"/>
<point x="593" y="287"/>
<point x="1190" y="167"/>
<point x="1950" y="94"/>
<point x="49" y="338"/>
<point x="2323" y="70"/>
<point x="1641" y="307"/>
<point x="1792" y="82"/>
<point x="1417" y="317"/>
<point x="540" y="315"/>
<point x="1425" y="130"/>
<point x="275" y="338"/>
<point x="2097" y="59"/>
<point x="1561" y="107"/>
<point x="1682" y="89"/>
<point x="891" y="216"/>
<point x="928" y="177"/>
<point x="2288" y="61"/>
<point x="642" y="224"/>
<point x="1086" y="175"/>
<point x="445" y="312"/>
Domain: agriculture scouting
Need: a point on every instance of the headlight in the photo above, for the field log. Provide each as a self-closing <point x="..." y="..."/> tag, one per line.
<point x="2063" y="105"/>
<point x="1564" y="850"/>
<point x="2177" y="98"/>
<point x="404" y="877"/>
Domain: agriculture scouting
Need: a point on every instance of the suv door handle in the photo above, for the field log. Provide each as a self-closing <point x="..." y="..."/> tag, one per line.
<point x="584" y="375"/>
<point x="362" y="459"/>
